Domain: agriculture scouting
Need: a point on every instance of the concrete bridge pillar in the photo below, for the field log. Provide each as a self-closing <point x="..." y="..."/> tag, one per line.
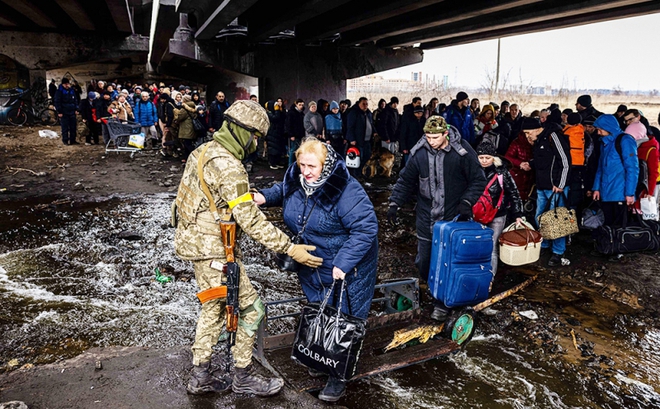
<point x="38" y="87"/>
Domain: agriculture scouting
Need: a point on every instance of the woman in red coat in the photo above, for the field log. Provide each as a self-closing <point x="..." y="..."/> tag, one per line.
<point x="519" y="154"/>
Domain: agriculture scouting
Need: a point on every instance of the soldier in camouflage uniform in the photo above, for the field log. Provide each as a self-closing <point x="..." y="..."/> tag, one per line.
<point x="199" y="240"/>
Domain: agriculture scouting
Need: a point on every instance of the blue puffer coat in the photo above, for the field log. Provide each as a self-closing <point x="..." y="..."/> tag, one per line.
<point x="145" y="113"/>
<point x="342" y="226"/>
<point x="615" y="179"/>
<point x="464" y="122"/>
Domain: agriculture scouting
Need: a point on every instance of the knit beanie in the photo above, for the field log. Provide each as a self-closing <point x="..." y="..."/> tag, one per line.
<point x="461" y="96"/>
<point x="531" y="123"/>
<point x="584" y="100"/>
<point x="574" y="119"/>
<point x="486" y="148"/>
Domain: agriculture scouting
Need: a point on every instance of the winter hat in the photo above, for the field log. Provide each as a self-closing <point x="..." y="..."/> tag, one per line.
<point x="91" y="95"/>
<point x="505" y="103"/>
<point x="124" y="91"/>
<point x="436" y="124"/>
<point x="531" y="123"/>
<point x="461" y="96"/>
<point x="418" y="109"/>
<point x="311" y="103"/>
<point x="487" y="108"/>
<point x="567" y="111"/>
<point x="200" y="108"/>
<point x="486" y="148"/>
<point x="574" y="119"/>
<point x="65" y="80"/>
<point x="143" y="93"/>
<point x="637" y="130"/>
<point x="621" y="108"/>
<point x="553" y="106"/>
<point x="186" y="98"/>
<point x="394" y="100"/>
<point x="334" y="105"/>
<point x="166" y="91"/>
<point x="584" y="100"/>
<point x="589" y="120"/>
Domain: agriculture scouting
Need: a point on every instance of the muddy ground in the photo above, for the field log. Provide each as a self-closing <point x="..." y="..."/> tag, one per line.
<point x="581" y="308"/>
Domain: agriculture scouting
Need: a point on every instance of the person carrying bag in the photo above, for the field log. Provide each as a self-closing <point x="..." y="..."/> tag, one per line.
<point x="328" y="340"/>
<point x="558" y="221"/>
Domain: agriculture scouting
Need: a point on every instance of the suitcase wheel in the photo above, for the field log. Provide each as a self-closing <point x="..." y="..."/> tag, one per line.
<point x="459" y="327"/>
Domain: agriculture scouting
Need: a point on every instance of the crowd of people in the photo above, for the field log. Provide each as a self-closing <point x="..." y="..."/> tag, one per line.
<point x="452" y="155"/>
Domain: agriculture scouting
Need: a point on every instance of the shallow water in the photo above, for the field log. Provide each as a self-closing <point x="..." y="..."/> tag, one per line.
<point x="79" y="276"/>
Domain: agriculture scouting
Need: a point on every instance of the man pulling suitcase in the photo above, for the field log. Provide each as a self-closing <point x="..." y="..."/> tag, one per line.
<point x="444" y="173"/>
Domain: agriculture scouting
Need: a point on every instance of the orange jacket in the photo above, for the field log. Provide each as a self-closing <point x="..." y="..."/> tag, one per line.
<point x="575" y="134"/>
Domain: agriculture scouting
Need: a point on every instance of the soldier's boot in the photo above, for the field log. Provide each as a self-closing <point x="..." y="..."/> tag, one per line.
<point x="202" y="381"/>
<point x="246" y="380"/>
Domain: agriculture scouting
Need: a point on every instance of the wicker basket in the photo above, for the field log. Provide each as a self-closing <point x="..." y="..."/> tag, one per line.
<point x="520" y="245"/>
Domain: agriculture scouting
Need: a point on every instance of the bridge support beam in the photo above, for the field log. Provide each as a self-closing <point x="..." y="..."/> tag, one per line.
<point x="311" y="73"/>
<point x="49" y="50"/>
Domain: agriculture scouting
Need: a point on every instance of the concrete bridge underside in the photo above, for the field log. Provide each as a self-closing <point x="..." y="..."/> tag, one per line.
<point x="289" y="48"/>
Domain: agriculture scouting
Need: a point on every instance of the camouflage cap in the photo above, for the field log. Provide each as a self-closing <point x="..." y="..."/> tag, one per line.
<point x="249" y="115"/>
<point x="436" y="124"/>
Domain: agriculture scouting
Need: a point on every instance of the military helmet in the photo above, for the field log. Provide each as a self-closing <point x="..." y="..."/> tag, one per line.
<point x="436" y="124"/>
<point x="249" y="115"/>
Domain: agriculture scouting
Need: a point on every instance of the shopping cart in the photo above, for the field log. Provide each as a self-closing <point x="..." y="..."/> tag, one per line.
<point x="118" y="133"/>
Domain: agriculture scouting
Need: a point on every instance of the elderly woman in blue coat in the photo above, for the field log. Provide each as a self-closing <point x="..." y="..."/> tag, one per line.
<point x="341" y="223"/>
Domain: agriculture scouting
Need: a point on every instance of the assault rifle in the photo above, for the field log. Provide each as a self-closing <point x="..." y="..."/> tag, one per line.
<point x="232" y="272"/>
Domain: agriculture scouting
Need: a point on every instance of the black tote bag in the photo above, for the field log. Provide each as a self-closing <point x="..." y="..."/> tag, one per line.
<point x="328" y="340"/>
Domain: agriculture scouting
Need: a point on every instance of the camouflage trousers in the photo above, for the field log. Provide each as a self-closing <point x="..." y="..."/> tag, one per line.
<point x="211" y="321"/>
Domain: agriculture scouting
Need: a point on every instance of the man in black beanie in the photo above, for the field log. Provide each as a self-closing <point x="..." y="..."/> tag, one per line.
<point x="552" y="164"/>
<point x="584" y="107"/>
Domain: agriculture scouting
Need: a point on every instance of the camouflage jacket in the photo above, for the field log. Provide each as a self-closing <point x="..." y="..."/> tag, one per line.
<point x="198" y="235"/>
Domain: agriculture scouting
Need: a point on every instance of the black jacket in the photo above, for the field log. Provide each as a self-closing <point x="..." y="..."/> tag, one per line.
<point x="357" y="125"/>
<point x="590" y="111"/>
<point x="275" y="136"/>
<point x="411" y="132"/>
<point x="552" y="159"/>
<point x="167" y="111"/>
<point x="85" y="109"/>
<point x="463" y="180"/>
<point x="390" y="124"/>
<point x="511" y="195"/>
<point x="101" y="105"/>
<point x="217" y="114"/>
<point x="294" y="124"/>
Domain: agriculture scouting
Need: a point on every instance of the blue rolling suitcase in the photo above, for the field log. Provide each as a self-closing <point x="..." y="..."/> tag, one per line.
<point x="460" y="272"/>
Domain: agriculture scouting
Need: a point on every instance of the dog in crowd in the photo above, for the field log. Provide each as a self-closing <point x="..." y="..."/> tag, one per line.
<point x="381" y="157"/>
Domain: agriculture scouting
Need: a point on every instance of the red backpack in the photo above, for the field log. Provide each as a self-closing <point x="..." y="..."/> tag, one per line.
<point x="483" y="211"/>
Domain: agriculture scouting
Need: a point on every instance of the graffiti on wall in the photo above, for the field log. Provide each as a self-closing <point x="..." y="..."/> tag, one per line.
<point x="14" y="86"/>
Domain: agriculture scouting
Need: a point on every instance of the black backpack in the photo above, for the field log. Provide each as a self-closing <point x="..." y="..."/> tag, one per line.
<point x="643" y="175"/>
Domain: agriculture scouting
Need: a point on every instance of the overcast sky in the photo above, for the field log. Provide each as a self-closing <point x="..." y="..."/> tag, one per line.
<point x="615" y="54"/>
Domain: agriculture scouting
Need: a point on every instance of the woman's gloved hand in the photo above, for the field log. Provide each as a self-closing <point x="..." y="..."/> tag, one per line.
<point x="300" y="253"/>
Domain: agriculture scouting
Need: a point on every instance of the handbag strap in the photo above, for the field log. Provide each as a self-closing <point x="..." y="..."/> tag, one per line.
<point x="499" y="179"/>
<point x="300" y="233"/>
<point x="348" y="301"/>
<point x="324" y="303"/>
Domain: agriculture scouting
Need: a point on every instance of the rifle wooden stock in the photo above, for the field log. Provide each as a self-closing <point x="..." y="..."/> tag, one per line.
<point x="228" y="231"/>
